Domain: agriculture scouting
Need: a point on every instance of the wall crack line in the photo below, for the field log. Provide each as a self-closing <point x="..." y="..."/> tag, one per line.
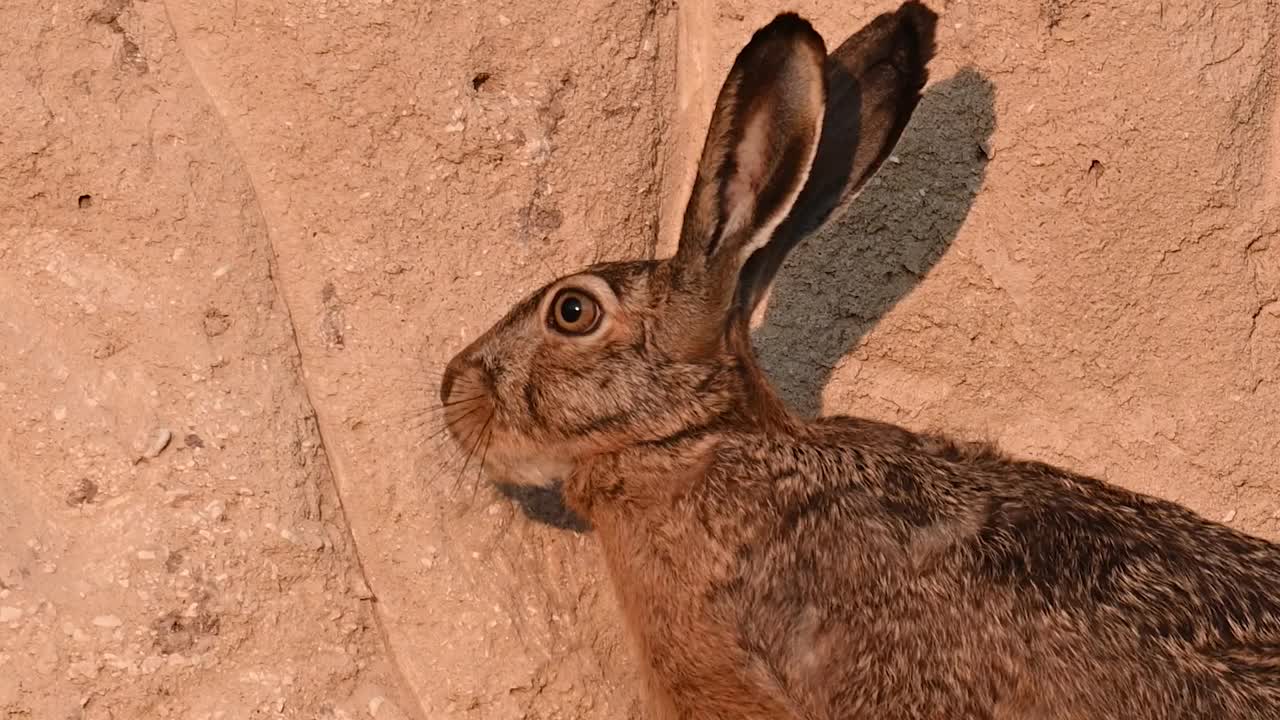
<point x="406" y="688"/>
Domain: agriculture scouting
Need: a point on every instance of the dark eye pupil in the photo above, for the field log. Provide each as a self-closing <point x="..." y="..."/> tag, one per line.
<point x="571" y="309"/>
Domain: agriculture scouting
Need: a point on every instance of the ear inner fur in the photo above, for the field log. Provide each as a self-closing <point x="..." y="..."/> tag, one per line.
<point x="761" y="140"/>
<point x="874" y="81"/>
<point x="773" y="194"/>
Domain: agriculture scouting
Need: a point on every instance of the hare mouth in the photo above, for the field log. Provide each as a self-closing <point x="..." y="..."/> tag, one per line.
<point x="469" y="419"/>
<point x="505" y="455"/>
<point x="476" y="422"/>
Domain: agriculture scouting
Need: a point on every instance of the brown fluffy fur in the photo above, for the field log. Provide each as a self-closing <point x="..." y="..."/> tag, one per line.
<point x="771" y="567"/>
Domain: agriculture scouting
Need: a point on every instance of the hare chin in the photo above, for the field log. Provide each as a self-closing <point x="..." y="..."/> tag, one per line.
<point x="527" y="469"/>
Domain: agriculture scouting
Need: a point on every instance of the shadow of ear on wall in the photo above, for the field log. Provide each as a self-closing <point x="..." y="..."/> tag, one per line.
<point x="836" y="285"/>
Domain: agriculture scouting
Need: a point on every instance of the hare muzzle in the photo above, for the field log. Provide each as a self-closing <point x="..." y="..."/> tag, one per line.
<point x="466" y="398"/>
<point x="473" y="419"/>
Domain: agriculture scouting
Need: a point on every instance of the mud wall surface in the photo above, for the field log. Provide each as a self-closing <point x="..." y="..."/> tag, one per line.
<point x="239" y="240"/>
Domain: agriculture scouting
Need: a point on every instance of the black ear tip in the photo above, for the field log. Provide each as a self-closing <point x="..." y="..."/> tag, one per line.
<point x="917" y="20"/>
<point x="789" y="22"/>
<point x="915" y="32"/>
<point x="788" y="25"/>
<point x="919" y="15"/>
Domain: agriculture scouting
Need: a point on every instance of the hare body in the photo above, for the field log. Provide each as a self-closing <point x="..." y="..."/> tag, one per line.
<point x="775" y="568"/>
<point x="857" y="570"/>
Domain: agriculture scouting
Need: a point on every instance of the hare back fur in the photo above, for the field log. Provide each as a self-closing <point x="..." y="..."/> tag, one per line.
<point x="854" y="569"/>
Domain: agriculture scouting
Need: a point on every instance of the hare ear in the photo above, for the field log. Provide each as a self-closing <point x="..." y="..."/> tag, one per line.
<point x="759" y="147"/>
<point x="873" y="81"/>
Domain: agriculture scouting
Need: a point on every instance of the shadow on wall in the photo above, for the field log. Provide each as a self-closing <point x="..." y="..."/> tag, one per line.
<point x="836" y="285"/>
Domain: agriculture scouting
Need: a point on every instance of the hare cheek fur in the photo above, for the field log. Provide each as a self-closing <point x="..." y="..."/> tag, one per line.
<point x="773" y="567"/>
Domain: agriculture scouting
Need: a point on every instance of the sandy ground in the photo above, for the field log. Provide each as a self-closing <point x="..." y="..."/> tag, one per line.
<point x="238" y="241"/>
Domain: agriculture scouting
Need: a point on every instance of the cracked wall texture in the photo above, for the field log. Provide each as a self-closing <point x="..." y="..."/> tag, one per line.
<point x="239" y="240"/>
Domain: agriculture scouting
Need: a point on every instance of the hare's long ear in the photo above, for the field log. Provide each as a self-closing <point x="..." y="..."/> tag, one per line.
<point x="759" y="148"/>
<point x="873" y="81"/>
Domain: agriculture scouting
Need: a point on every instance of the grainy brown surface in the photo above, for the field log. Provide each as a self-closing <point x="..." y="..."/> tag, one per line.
<point x="262" y="228"/>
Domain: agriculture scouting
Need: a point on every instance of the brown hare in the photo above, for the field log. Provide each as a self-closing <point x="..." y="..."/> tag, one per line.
<point x="770" y="566"/>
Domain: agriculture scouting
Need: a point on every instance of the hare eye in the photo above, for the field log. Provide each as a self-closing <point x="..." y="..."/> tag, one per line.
<point x="575" y="312"/>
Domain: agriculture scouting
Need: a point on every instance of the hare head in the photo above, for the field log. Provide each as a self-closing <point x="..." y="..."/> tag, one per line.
<point x="624" y="354"/>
